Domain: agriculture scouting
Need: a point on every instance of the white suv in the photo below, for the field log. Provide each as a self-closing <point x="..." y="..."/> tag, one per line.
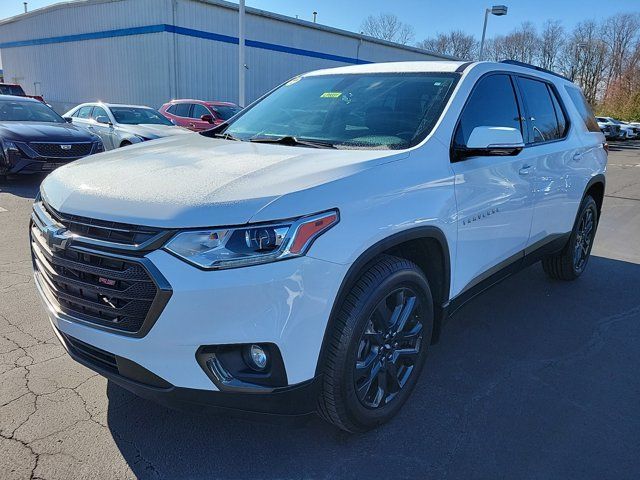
<point x="304" y="255"/>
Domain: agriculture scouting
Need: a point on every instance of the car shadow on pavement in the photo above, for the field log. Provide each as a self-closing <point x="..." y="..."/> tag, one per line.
<point x="535" y="378"/>
<point x="25" y="186"/>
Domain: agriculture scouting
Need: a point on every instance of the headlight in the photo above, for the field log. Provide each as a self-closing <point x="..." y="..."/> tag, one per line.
<point x="251" y="245"/>
<point x="9" y="147"/>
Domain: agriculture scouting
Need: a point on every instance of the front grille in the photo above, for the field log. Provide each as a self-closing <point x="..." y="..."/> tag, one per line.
<point x="62" y="150"/>
<point x="121" y="233"/>
<point x="105" y="290"/>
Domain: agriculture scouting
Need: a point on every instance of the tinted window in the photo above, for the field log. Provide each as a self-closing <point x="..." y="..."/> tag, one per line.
<point x="583" y="108"/>
<point x="560" y="116"/>
<point x="491" y="104"/>
<point x="83" y="112"/>
<point x="99" y="112"/>
<point x="12" y="90"/>
<point x="181" y="109"/>
<point x="349" y="110"/>
<point x="199" y="110"/>
<point x="21" y="111"/>
<point x="540" y="112"/>
<point x="138" y="116"/>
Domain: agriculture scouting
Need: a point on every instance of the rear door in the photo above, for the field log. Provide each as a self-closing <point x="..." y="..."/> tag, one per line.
<point x="180" y="114"/>
<point x="82" y="116"/>
<point x="493" y="193"/>
<point x="555" y="154"/>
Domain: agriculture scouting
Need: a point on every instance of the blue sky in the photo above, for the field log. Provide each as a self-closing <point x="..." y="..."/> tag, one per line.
<point x="426" y="16"/>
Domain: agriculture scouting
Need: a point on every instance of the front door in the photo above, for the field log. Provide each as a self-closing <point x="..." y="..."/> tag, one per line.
<point x="493" y="193"/>
<point x="197" y="111"/>
<point x="103" y="130"/>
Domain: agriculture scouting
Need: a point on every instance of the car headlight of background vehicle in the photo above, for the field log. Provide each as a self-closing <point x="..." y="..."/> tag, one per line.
<point x="254" y="244"/>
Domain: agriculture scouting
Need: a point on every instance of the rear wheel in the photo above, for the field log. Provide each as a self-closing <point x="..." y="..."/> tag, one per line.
<point x="125" y="143"/>
<point x="572" y="261"/>
<point x="378" y="346"/>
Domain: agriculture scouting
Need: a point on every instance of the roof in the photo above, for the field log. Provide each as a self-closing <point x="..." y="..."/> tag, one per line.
<point x="86" y="104"/>
<point x="249" y="10"/>
<point x="207" y="102"/>
<point x="19" y="98"/>
<point x="392" y="67"/>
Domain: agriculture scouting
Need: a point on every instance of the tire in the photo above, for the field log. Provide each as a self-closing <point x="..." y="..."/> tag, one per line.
<point x="125" y="143"/>
<point x="358" y="346"/>
<point x="569" y="264"/>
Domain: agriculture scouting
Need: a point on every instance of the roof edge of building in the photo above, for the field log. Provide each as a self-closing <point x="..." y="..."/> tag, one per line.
<point x="250" y="10"/>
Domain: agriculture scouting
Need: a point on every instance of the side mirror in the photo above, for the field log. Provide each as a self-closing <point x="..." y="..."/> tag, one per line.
<point x="103" y="119"/>
<point x="68" y="119"/>
<point x="207" y="118"/>
<point x="491" y="141"/>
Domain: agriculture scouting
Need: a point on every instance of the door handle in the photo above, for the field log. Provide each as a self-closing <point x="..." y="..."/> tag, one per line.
<point x="525" y="170"/>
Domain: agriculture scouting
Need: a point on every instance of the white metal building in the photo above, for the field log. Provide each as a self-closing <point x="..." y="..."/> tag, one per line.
<point x="150" y="51"/>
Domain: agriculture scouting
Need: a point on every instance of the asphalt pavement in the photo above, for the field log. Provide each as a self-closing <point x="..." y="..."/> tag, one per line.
<point x="533" y="379"/>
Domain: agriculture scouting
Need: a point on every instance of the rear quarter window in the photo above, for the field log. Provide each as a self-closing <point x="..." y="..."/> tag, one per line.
<point x="583" y="108"/>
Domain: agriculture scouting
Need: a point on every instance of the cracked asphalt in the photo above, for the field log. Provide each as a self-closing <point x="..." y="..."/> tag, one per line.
<point x="533" y="379"/>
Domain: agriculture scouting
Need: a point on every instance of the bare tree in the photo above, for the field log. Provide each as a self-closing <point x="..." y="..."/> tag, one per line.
<point x="455" y="43"/>
<point x="585" y="58"/>
<point x="620" y="32"/>
<point x="552" y="40"/>
<point x="388" y="26"/>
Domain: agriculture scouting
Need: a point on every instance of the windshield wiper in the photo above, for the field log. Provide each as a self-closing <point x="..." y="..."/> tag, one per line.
<point x="293" y="141"/>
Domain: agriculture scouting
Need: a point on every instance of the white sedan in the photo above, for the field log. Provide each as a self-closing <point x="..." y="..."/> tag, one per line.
<point x="122" y="125"/>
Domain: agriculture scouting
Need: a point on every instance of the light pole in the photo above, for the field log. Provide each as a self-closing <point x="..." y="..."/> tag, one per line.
<point x="498" y="11"/>
<point x="241" y="63"/>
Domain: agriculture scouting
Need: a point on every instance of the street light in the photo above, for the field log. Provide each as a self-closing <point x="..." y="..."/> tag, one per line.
<point x="498" y="11"/>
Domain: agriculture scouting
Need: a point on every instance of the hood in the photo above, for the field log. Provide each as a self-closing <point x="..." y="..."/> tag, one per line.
<point x="153" y="131"/>
<point x="44" y="132"/>
<point x="196" y="181"/>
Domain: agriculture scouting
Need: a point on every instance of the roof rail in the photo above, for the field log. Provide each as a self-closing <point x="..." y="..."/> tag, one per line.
<point x="535" y="67"/>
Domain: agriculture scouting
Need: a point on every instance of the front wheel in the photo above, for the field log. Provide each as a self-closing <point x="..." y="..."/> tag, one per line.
<point x="378" y="346"/>
<point x="572" y="261"/>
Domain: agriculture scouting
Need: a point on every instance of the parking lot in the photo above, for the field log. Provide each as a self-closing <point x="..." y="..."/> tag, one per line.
<point x="533" y="379"/>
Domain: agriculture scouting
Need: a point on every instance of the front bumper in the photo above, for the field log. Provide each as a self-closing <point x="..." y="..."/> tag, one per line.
<point x="285" y="303"/>
<point x="295" y="400"/>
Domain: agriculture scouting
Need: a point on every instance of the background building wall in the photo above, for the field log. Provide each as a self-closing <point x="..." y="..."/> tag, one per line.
<point x="150" y="51"/>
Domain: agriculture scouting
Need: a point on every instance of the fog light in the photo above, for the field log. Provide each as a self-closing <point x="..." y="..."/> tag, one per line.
<point x="258" y="357"/>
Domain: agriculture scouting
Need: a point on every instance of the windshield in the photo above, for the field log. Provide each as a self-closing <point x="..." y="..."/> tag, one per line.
<point x="138" y="115"/>
<point x="12" y="90"/>
<point x="225" y="112"/>
<point x="389" y="111"/>
<point x="27" y="111"/>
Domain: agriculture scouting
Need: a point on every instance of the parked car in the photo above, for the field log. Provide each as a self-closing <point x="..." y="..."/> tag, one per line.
<point x="35" y="139"/>
<point x="611" y="130"/>
<point x="635" y="128"/>
<point x="198" y="114"/>
<point x="122" y="125"/>
<point x="305" y="254"/>
<point x="16" y="90"/>
<point x="626" y="131"/>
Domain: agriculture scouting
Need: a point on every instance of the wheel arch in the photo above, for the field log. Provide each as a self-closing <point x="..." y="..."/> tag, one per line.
<point x="427" y="247"/>
<point x="595" y="188"/>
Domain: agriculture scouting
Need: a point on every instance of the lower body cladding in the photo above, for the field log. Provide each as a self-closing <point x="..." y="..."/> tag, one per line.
<point x="247" y="339"/>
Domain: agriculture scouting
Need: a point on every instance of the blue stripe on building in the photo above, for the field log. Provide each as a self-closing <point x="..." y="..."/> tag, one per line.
<point x="189" y="32"/>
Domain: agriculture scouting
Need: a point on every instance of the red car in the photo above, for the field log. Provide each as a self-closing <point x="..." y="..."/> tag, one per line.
<point x="198" y="114"/>
<point x="16" y="90"/>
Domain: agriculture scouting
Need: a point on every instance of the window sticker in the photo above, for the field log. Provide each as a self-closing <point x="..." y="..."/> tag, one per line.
<point x="331" y="95"/>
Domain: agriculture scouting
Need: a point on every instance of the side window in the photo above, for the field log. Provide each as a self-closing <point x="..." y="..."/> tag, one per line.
<point x="99" y="112"/>
<point x="541" y="114"/>
<point x="199" y="110"/>
<point x="583" y="108"/>
<point x="492" y="104"/>
<point x="181" y="109"/>
<point x="563" y="124"/>
<point x="83" y="112"/>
